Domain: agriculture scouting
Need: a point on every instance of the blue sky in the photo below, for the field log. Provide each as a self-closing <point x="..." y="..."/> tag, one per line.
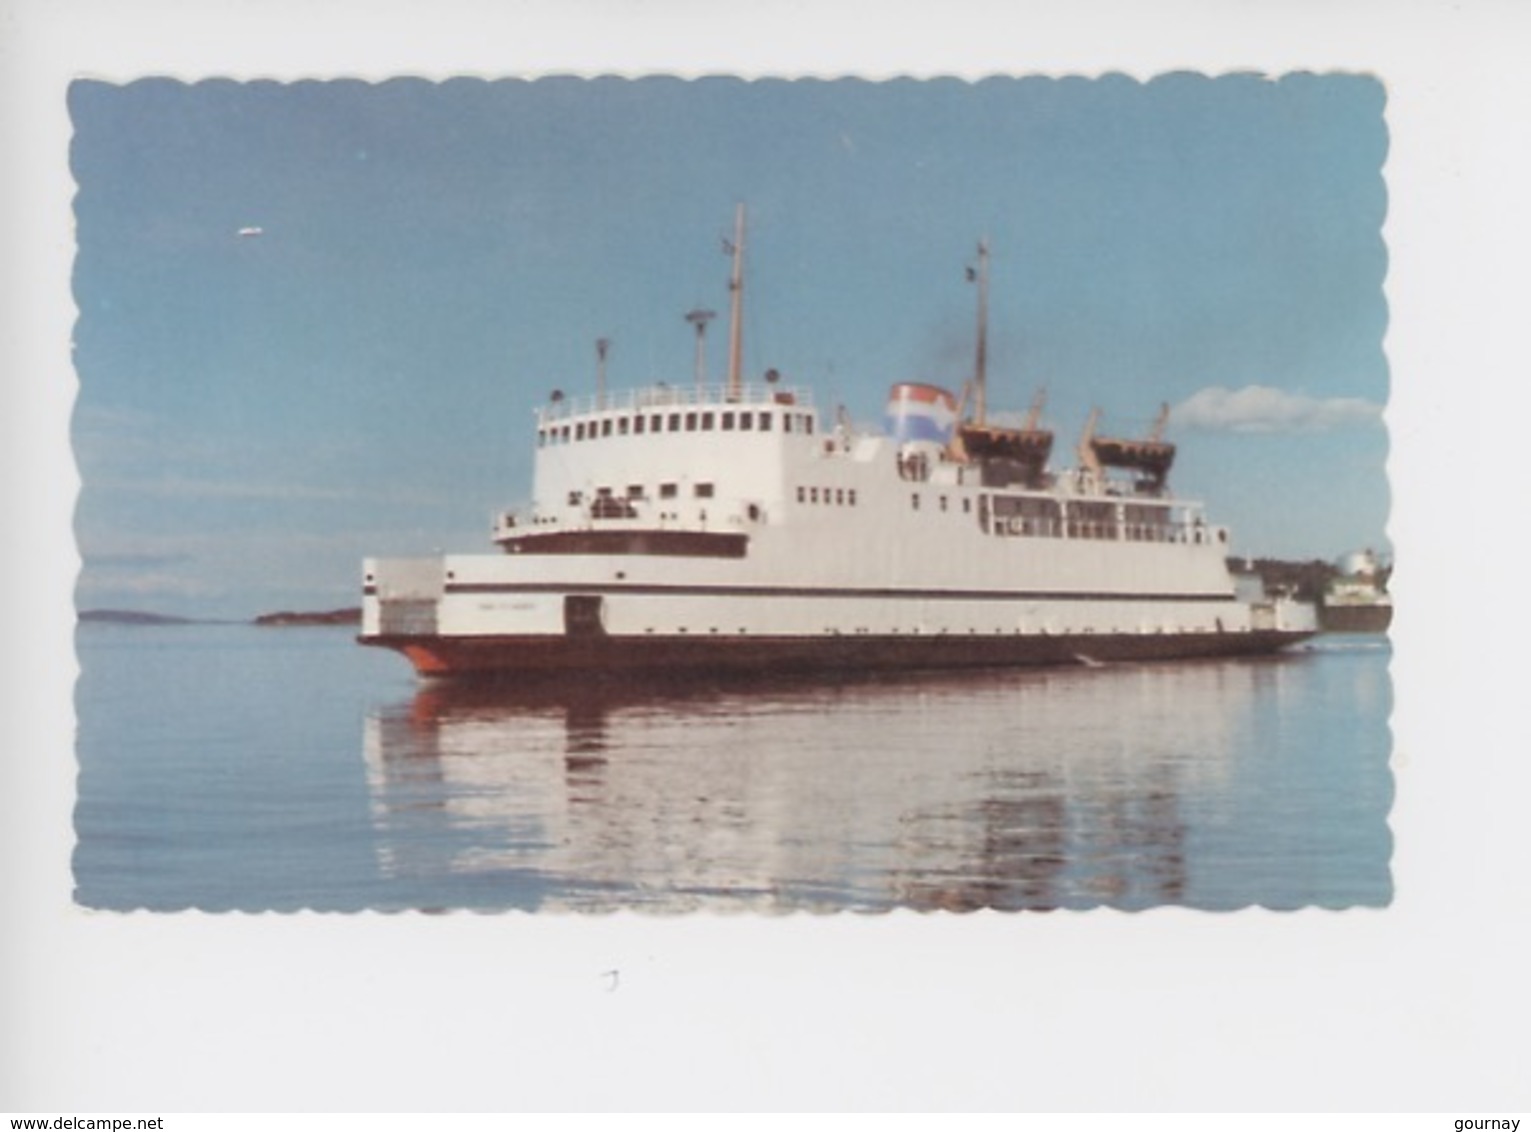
<point x="256" y="413"/>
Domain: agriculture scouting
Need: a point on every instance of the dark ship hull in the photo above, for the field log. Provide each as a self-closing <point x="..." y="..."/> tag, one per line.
<point x="1369" y="618"/>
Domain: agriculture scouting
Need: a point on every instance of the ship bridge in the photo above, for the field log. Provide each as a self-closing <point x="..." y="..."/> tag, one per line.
<point x="634" y="471"/>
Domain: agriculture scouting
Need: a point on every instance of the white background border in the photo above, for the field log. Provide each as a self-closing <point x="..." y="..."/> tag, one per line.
<point x="1420" y="1006"/>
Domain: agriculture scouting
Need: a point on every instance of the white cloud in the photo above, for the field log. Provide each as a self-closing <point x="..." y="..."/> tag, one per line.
<point x="1260" y="408"/>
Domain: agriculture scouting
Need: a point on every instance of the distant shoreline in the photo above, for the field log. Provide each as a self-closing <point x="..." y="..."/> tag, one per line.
<point x="349" y="616"/>
<point x="1306" y="580"/>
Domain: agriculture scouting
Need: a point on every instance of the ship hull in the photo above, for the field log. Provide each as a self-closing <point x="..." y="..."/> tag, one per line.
<point x="1356" y="618"/>
<point x="540" y="655"/>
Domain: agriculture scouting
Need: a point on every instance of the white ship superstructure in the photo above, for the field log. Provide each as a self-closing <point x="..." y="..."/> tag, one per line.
<point x="733" y="527"/>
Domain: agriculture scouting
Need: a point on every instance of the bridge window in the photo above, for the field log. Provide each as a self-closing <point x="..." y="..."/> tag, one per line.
<point x="690" y="422"/>
<point x="635" y="491"/>
<point x="622" y="426"/>
<point x="667" y="491"/>
<point x="765" y="422"/>
<point x="707" y="422"/>
<point x="637" y="425"/>
<point x="579" y="431"/>
<point x="746" y="421"/>
<point x="674" y="422"/>
<point x="703" y="490"/>
<point x="728" y="422"/>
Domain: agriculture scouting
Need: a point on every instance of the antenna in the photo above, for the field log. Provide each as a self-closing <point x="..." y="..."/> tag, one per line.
<point x="735" y="248"/>
<point x="601" y="346"/>
<point x="980" y="275"/>
<point x="700" y="319"/>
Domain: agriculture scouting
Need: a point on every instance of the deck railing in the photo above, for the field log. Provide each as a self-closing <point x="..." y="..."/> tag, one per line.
<point x="662" y="395"/>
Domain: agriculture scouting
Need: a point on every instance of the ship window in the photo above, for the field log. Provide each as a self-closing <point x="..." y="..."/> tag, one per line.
<point x="943" y="503"/>
<point x="656" y="423"/>
<point x="765" y="422"/>
<point x="603" y="493"/>
<point x="786" y="422"/>
<point x="850" y="497"/>
<point x="840" y="496"/>
<point x="635" y="491"/>
<point x="667" y="491"/>
<point x="606" y="427"/>
<point x="575" y="498"/>
<point x="637" y="425"/>
<point x="674" y="422"/>
<point x="579" y="431"/>
<point x="808" y="424"/>
<point x="728" y="422"/>
<point x="813" y="495"/>
<point x="703" y="490"/>
<point x="914" y="501"/>
<point x="690" y="422"/>
<point x="707" y="422"/>
<point x="802" y="495"/>
<point x="746" y="420"/>
<point x="565" y="434"/>
<point x="622" y="426"/>
<point x="967" y="506"/>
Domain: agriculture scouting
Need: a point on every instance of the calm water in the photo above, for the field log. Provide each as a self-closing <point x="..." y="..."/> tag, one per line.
<point x="233" y="767"/>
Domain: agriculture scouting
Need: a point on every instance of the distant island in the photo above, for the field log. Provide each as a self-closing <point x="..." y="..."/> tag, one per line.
<point x="131" y="617"/>
<point x="349" y="616"/>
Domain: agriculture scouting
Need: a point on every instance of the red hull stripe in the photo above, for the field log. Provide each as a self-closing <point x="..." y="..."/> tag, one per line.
<point x="737" y="653"/>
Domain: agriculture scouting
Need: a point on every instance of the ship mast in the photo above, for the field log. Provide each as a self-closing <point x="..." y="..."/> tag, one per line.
<point x="980" y="275"/>
<point x="736" y="304"/>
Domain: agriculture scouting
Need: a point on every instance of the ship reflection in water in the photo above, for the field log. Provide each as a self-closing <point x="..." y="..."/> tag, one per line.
<point x="1129" y="786"/>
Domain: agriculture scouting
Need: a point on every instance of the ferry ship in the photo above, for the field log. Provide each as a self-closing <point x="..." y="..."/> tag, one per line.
<point x="1356" y="599"/>
<point x="733" y="528"/>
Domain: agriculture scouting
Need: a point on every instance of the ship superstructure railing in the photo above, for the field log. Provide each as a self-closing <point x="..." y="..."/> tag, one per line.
<point x="1100" y="518"/>
<point x="664" y="395"/>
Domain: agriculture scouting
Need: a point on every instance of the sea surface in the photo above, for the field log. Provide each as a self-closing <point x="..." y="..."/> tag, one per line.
<point x="242" y="767"/>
